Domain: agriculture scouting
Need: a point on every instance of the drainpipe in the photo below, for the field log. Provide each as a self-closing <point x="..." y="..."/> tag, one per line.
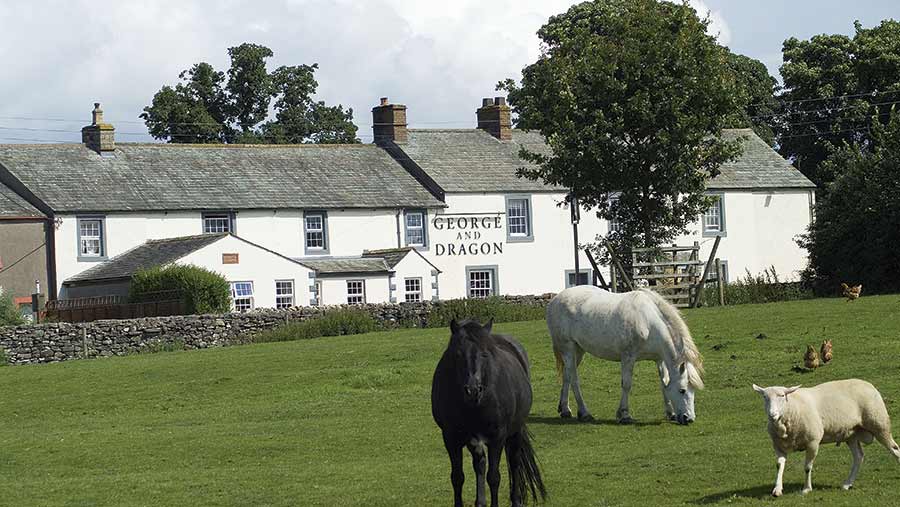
<point x="397" y="216"/>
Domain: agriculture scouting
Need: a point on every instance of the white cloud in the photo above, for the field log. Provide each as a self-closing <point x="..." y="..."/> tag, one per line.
<point x="440" y="58"/>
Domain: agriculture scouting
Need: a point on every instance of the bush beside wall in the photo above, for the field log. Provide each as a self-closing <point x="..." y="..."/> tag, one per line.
<point x="762" y="288"/>
<point x="204" y="291"/>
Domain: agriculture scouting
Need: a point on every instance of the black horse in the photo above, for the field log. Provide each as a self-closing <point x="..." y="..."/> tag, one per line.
<point x="480" y="397"/>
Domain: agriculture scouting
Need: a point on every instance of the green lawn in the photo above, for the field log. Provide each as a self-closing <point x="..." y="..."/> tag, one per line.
<point x="346" y="421"/>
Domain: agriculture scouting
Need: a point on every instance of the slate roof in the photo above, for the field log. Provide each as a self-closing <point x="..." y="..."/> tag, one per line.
<point x="393" y="256"/>
<point x="13" y="206"/>
<point x="344" y="265"/>
<point x="759" y="166"/>
<point x="155" y="252"/>
<point x="73" y="178"/>
<point x="471" y="160"/>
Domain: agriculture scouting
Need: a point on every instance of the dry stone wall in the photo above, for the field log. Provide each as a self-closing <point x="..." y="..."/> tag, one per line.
<point x="60" y="341"/>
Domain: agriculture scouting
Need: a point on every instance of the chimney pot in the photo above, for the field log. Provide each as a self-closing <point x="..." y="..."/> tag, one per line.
<point x="99" y="136"/>
<point x="494" y="118"/>
<point x="389" y="122"/>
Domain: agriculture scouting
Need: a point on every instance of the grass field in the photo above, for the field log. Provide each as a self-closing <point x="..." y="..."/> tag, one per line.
<point x="346" y="421"/>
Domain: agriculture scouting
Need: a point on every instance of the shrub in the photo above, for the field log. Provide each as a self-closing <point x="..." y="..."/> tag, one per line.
<point x="337" y="322"/>
<point x="854" y="235"/>
<point x="762" y="288"/>
<point x="483" y="310"/>
<point x="203" y="291"/>
<point x="9" y="313"/>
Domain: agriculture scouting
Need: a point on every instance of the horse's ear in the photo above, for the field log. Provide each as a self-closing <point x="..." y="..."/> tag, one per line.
<point x="487" y="327"/>
<point x="789" y="390"/>
<point x="758" y="389"/>
<point x="454" y="326"/>
<point x="681" y="368"/>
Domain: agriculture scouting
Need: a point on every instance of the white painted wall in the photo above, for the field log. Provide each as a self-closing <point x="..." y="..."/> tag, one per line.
<point x="760" y="231"/>
<point x="349" y="232"/>
<point x="523" y="267"/>
<point x="414" y="266"/>
<point x="334" y="290"/>
<point x="124" y="231"/>
<point x="255" y="265"/>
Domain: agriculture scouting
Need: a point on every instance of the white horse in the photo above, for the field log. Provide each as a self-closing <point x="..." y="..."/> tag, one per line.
<point x="627" y="327"/>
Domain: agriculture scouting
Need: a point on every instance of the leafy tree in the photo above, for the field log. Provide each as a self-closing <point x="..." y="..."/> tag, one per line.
<point x="834" y="86"/>
<point x="9" y="313"/>
<point x="854" y="236"/>
<point x="631" y="96"/>
<point x="249" y="85"/>
<point x="210" y="106"/>
<point x="756" y="96"/>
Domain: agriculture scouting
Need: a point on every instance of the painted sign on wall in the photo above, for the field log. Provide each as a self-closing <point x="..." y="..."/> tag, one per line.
<point x="473" y="234"/>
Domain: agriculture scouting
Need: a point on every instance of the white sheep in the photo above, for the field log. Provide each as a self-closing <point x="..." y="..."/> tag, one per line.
<point x="850" y="411"/>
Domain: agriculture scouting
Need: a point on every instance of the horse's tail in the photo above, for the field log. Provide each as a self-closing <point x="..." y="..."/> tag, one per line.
<point x="682" y="334"/>
<point x="560" y="365"/>
<point x="524" y="474"/>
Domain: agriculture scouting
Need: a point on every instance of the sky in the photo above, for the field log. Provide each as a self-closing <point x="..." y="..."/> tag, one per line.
<point x="437" y="57"/>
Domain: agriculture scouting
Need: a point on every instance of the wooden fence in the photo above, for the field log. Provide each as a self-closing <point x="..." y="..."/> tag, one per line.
<point x="114" y="307"/>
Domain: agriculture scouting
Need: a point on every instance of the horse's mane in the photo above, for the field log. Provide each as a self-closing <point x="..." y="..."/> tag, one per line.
<point x="682" y="337"/>
<point x="474" y="331"/>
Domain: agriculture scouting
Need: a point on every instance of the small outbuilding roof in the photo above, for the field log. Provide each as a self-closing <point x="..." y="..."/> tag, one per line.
<point x="344" y="265"/>
<point x="393" y="256"/>
<point x="155" y="252"/>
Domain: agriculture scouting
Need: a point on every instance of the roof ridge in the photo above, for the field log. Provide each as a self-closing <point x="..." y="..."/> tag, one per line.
<point x="193" y="236"/>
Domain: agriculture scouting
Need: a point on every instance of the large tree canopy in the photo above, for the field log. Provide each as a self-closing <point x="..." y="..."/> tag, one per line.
<point x="854" y="236"/>
<point x="210" y="106"/>
<point x="834" y="86"/>
<point x="756" y="90"/>
<point x="631" y="96"/>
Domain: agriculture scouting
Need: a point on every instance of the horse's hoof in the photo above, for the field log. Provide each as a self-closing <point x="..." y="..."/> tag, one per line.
<point x="672" y="417"/>
<point x="776" y="492"/>
<point x="585" y="417"/>
<point x="626" y="420"/>
<point x="566" y="414"/>
<point x="805" y="491"/>
<point x="845" y="487"/>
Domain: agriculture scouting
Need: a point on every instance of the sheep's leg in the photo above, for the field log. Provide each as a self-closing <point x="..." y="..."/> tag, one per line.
<point x="781" y="459"/>
<point x="811" y="451"/>
<point x="663" y="380"/>
<point x="858" y="455"/>
<point x="622" y="414"/>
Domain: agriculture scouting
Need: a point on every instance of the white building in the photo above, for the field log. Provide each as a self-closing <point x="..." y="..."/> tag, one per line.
<point x="420" y="214"/>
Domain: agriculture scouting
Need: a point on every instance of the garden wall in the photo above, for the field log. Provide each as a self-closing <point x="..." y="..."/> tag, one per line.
<point x="61" y="341"/>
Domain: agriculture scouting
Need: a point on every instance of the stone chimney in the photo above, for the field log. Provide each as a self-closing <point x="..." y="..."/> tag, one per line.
<point x="389" y="122"/>
<point x="494" y="118"/>
<point x="99" y="136"/>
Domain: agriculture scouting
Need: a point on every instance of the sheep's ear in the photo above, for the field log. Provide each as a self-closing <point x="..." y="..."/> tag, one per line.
<point x="758" y="389"/>
<point x="789" y="390"/>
